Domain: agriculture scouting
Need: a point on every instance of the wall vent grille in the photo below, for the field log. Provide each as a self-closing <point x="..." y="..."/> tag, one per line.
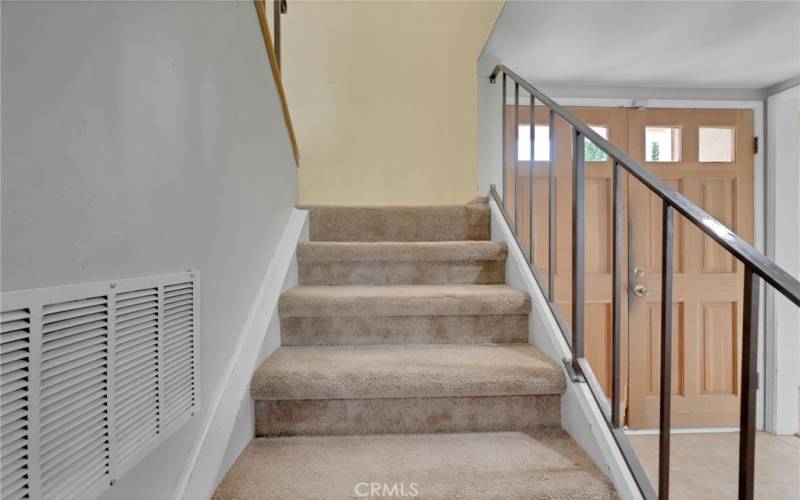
<point x="136" y="370"/>
<point x="93" y="377"/>
<point x="15" y="358"/>
<point x="179" y="373"/>
<point x="74" y="395"/>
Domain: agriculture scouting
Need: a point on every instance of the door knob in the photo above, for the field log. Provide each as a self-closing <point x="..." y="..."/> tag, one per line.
<point x="641" y="291"/>
<point x="639" y="271"/>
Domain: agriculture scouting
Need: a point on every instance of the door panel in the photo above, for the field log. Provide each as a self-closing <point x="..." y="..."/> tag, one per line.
<point x="707" y="280"/>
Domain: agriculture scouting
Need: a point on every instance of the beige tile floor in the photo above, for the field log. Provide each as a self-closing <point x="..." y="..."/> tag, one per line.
<point x="704" y="466"/>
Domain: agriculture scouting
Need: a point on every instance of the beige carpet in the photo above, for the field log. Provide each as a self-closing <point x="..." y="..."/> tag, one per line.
<point x="485" y="466"/>
<point x="431" y="223"/>
<point x="425" y="251"/>
<point x="403" y="300"/>
<point x="404" y="263"/>
<point x="402" y="371"/>
<point x="373" y="330"/>
<point x="404" y="361"/>
<point x="321" y="417"/>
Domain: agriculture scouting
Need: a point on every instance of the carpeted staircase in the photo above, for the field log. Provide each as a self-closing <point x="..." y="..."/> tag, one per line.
<point x="405" y="372"/>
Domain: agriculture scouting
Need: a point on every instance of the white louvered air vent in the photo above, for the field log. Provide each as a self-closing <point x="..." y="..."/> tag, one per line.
<point x="74" y="395"/>
<point x="178" y="350"/>
<point x="94" y="377"/>
<point x="136" y="370"/>
<point x="15" y="358"/>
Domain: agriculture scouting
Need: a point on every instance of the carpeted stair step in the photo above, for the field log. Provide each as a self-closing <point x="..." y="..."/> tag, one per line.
<point x="420" y="223"/>
<point x="405" y="389"/>
<point x="400" y="371"/>
<point x="401" y="263"/>
<point x="403" y="314"/>
<point x="544" y="464"/>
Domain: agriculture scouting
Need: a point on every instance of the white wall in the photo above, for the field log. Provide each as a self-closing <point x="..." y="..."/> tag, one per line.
<point x="144" y="138"/>
<point x="783" y="213"/>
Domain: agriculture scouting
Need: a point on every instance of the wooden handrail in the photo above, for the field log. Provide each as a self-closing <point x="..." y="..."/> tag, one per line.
<point x="261" y="10"/>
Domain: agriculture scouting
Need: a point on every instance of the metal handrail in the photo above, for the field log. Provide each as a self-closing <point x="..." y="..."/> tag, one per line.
<point x="761" y="264"/>
<point x="756" y="267"/>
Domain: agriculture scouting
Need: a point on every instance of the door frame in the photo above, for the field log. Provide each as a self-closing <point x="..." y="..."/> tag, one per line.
<point x="759" y="188"/>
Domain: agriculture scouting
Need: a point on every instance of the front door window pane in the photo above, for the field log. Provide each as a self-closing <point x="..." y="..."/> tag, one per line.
<point x="541" y="146"/>
<point x="590" y="151"/>
<point x="716" y="144"/>
<point x="662" y="144"/>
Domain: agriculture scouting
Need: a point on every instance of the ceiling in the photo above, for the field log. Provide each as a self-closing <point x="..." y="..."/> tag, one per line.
<point x="719" y="44"/>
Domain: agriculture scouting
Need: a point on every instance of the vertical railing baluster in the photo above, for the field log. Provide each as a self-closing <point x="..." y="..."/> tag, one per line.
<point x="666" y="349"/>
<point x="276" y="22"/>
<point x="503" y="167"/>
<point x="749" y="388"/>
<point x="533" y="179"/>
<point x="551" y="211"/>
<point x="616" y="313"/>
<point x="578" y="248"/>
<point x="517" y="187"/>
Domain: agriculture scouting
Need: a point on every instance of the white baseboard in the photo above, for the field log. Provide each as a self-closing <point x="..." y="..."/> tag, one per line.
<point x="580" y="416"/>
<point x="202" y="468"/>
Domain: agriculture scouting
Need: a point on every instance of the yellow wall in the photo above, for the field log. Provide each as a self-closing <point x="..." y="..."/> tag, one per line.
<point x="384" y="98"/>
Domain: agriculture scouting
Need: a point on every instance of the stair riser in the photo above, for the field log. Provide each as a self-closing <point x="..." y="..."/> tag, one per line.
<point x="445" y="223"/>
<point x="406" y="415"/>
<point x="402" y="273"/>
<point x="374" y="330"/>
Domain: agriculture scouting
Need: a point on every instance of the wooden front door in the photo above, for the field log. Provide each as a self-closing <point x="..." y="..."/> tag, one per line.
<point x="706" y="155"/>
<point x="707" y="283"/>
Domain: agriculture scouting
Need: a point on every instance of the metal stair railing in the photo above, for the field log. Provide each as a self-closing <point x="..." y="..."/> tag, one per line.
<point x="757" y="267"/>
